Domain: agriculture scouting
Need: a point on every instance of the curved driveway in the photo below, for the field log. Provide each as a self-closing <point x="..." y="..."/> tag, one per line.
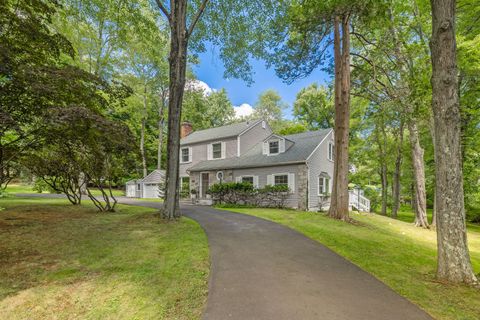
<point x="262" y="270"/>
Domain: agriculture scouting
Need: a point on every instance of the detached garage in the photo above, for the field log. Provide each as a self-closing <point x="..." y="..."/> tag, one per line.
<point x="149" y="187"/>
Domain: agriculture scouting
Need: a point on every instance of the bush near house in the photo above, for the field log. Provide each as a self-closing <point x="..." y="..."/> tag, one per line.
<point x="244" y="193"/>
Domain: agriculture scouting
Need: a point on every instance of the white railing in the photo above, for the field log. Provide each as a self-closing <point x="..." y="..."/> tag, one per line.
<point x="357" y="201"/>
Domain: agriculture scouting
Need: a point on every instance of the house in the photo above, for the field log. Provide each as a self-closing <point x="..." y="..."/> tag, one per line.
<point x="149" y="187"/>
<point x="250" y="152"/>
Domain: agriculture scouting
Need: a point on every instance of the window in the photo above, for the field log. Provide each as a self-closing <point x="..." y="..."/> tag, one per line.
<point x="323" y="185"/>
<point x="273" y="147"/>
<point x="185" y="155"/>
<point x="331" y="151"/>
<point x="185" y="184"/>
<point x="138" y="187"/>
<point x="248" y="179"/>
<point x="281" y="180"/>
<point x="217" y="150"/>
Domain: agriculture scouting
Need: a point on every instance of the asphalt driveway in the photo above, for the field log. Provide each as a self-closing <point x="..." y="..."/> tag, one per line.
<point x="262" y="270"/>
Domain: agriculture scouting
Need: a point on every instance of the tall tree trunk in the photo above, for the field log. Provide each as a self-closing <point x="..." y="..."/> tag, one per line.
<point x="397" y="174"/>
<point x="142" y="133"/>
<point x="418" y="176"/>
<point x="339" y="199"/>
<point x="434" y="215"/>
<point x="178" y="64"/>
<point x="382" y="157"/>
<point x="453" y="263"/>
<point x="161" y="123"/>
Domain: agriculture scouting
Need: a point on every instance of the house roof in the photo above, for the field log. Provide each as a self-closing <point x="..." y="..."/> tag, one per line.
<point x="231" y="130"/>
<point x="303" y="145"/>
<point x="156" y="176"/>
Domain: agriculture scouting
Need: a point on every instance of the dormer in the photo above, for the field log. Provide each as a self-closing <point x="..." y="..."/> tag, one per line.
<point x="275" y="145"/>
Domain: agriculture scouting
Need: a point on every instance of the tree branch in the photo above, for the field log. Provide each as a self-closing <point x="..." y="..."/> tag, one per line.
<point x="163" y="9"/>
<point x="197" y="17"/>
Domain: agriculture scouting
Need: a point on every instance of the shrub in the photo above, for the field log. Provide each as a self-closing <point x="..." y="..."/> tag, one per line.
<point x="245" y="194"/>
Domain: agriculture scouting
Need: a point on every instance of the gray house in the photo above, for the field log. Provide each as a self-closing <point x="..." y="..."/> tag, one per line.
<point x="249" y="151"/>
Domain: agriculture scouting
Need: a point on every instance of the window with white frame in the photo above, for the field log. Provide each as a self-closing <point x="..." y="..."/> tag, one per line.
<point x="280" y="179"/>
<point x="323" y="185"/>
<point x="185" y="155"/>
<point x="217" y="150"/>
<point x="331" y="151"/>
<point x="273" y="147"/>
<point x="248" y="179"/>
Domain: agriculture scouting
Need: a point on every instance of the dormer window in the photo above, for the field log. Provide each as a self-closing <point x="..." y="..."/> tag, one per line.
<point x="216" y="150"/>
<point x="273" y="146"/>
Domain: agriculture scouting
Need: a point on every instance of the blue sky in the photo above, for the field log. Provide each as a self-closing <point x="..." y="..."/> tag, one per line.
<point x="210" y="70"/>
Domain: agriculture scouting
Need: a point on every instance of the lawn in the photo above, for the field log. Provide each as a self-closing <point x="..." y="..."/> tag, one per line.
<point x="67" y="262"/>
<point x="26" y="188"/>
<point x="396" y="252"/>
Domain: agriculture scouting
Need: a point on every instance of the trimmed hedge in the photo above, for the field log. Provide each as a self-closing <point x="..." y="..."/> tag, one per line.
<point x="244" y="193"/>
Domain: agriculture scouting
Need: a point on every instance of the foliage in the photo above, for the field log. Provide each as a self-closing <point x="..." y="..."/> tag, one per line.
<point x="244" y="193"/>
<point x="314" y="106"/>
<point x="206" y="110"/>
<point x="32" y="73"/>
<point x="269" y="106"/>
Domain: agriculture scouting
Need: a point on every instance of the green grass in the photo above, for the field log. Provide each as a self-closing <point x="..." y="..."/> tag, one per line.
<point x="27" y="188"/>
<point x="396" y="252"/>
<point x="61" y="261"/>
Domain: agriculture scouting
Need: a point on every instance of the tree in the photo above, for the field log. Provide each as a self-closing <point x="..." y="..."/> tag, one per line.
<point x="314" y="106"/>
<point x="453" y="257"/>
<point x="303" y="38"/>
<point x="269" y="106"/>
<point x="32" y="72"/>
<point x="231" y="24"/>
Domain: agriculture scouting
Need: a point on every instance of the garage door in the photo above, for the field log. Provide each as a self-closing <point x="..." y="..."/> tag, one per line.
<point x="150" y="191"/>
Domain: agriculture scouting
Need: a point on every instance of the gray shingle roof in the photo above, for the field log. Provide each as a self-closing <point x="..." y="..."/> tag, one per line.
<point x="230" y="130"/>
<point x="304" y="144"/>
<point x="156" y="176"/>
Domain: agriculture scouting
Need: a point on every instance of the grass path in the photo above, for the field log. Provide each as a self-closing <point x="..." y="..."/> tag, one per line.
<point x="64" y="262"/>
<point x="402" y="256"/>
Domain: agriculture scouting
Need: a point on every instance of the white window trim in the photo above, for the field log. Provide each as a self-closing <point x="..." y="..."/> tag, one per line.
<point x="181" y="181"/>
<point x="189" y="155"/>
<point x="332" y="157"/>
<point x="290" y="180"/>
<point x="223" y="150"/>
<point x="325" y="187"/>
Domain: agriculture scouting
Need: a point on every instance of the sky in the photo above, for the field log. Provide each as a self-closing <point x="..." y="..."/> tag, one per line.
<point x="210" y="71"/>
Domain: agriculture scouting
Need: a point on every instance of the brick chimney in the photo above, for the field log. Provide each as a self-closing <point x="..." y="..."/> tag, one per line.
<point x="186" y="129"/>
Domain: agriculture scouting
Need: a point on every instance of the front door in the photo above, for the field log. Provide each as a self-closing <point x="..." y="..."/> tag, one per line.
<point x="204" y="184"/>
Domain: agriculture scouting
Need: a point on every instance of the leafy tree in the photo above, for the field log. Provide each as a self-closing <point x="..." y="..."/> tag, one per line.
<point x="269" y="106"/>
<point x="31" y="72"/>
<point x="243" y="21"/>
<point x="314" y="106"/>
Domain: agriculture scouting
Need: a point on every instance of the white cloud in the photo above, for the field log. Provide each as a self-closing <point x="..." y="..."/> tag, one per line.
<point x="243" y="110"/>
<point x="198" y="85"/>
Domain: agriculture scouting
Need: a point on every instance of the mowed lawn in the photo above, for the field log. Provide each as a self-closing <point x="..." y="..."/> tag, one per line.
<point x="59" y="261"/>
<point x="396" y="252"/>
<point x="26" y="188"/>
